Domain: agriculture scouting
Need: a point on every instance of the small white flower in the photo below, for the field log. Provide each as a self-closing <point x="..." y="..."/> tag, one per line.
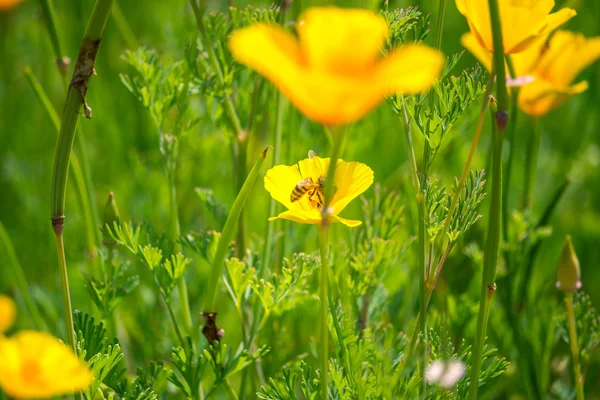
<point x="445" y="374"/>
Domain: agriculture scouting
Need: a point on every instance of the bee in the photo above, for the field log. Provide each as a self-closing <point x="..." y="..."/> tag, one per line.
<point x="309" y="187"/>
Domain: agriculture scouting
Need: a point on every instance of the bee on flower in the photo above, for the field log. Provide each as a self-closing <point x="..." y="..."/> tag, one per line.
<point x="299" y="188"/>
<point x="36" y="365"/>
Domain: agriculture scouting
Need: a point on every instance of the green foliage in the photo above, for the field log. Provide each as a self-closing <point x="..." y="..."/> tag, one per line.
<point x="216" y="209"/>
<point x="187" y="369"/>
<point x="205" y="244"/>
<point x="281" y="292"/>
<point x="142" y="386"/>
<point x="109" y="291"/>
<point x="452" y="96"/>
<point x="405" y="24"/>
<point x="166" y="269"/>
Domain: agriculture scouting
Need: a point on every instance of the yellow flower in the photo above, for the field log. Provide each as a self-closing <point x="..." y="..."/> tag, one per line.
<point x="351" y="179"/>
<point x="552" y="68"/>
<point x="332" y="71"/>
<point x="567" y="54"/>
<point x="36" y="365"/>
<point x="523" y="22"/>
<point x="8" y="312"/>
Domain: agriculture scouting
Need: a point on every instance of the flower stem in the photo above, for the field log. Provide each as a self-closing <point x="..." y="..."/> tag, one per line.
<point x="488" y="278"/>
<point x="488" y="285"/>
<point x="227" y="234"/>
<point x="66" y="294"/>
<point x="75" y="100"/>
<point x="324" y="329"/>
<point x="574" y="347"/>
<point x="21" y="280"/>
<point x="531" y="158"/>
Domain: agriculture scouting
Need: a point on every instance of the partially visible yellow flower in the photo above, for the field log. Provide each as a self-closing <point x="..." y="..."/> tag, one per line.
<point x="568" y="53"/>
<point x="351" y="179"/>
<point x="553" y="67"/>
<point x="523" y="22"/>
<point x="6" y="5"/>
<point x="332" y="72"/>
<point x="8" y="312"/>
<point x="36" y="365"/>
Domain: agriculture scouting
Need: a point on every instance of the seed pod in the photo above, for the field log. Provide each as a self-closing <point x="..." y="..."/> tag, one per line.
<point x="111" y="215"/>
<point x="568" y="273"/>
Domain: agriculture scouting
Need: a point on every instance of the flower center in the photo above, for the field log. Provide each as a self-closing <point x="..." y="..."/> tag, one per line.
<point x="31" y="371"/>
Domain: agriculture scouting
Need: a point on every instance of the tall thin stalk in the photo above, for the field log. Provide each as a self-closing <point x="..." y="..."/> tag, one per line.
<point x="339" y="138"/>
<point x="531" y="159"/>
<point x="574" y="347"/>
<point x="499" y="120"/>
<point x="76" y="95"/>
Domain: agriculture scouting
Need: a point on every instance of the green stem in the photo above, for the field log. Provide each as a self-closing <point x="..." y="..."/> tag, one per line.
<point x="324" y="329"/>
<point x="76" y="169"/>
<point x="488" y="285"/>
<point x="467" y="166"/>
<point x="574" y="348"/>
<point x="66" y="294"/>
<point x="510" y="137"/>
<point x="21" y="280"/>
<point x="75" y="99"/>
<point x="50" y="19"/>
<point x="422" y="320"/>
<point x="176" y="232"/>
<point x="531" y="158"/>
<point x="227" y="234"/>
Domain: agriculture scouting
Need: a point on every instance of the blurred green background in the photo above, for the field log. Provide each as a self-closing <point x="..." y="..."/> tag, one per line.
<point x="124" y="158"/>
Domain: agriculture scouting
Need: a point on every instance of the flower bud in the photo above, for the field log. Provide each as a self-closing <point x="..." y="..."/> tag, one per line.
<point x="111" y="215"/>
<point x="568" y="274"/>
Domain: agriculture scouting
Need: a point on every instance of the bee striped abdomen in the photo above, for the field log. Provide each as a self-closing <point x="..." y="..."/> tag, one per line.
<point x="301" y="188"/>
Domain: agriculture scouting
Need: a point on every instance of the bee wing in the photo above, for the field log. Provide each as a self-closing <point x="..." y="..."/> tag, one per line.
<point x="317" y="162"/>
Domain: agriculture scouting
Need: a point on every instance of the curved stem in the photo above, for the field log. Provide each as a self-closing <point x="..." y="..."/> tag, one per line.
<point x="574" y="348"/>
<point x="531" y="158"/>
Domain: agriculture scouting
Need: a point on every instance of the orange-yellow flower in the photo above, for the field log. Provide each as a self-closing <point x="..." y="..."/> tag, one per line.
<point x="568" y="53"/>
<point x="552" y="66"/>
<point x="8" y="4"/>
<point x="332" y="72"/>
<point x="8" y="312"/>
<point x="523" y="22"/>
<point x="351" y="179"/>
<point x="36" y="365"/>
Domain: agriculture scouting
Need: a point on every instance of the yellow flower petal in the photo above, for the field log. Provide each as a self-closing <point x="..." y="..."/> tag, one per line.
<point x="6" y="5"/>
<point x="37" y="365"/>
<point x="302" y="216"/>
<point x="332" y="73"/>
<point x="470" y="42"/>
<point x="523" y="22"/>
<point x="8" y="313"/>
<point x="341" y="41"/>
<point x="540" y="97"/>
<point x="408" y="69"/>
<point x="567" y="55"/>
<point x="352" y="223"/>
<point x="351" y="180"/>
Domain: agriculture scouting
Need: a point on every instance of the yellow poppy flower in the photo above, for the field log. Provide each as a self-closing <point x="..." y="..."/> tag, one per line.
<point x="523" y="22"/>
<point x="37" y="365"/>
<point x="351" y="179"/>
<point x="332" y="72"/>
<point x="8" y="312"/>
<point x="566" y="55"/>
<point x="552" y="68"/>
